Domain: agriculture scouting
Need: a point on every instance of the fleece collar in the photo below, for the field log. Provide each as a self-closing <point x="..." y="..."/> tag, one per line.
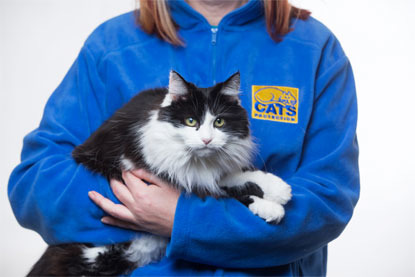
<point x="186" y="17"/>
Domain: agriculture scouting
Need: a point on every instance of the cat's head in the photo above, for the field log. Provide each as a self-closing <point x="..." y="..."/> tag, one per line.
<point x="207" y="119"/>
<point x="199" y="134"/>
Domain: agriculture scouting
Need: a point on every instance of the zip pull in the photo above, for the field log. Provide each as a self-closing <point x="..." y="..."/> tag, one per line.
<point x="214" y="34"/>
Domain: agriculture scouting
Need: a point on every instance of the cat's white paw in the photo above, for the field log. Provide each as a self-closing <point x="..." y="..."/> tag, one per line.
<point x="267" y="210"/>
<point x="146" y="249"/>
<point x="274" y="188"/>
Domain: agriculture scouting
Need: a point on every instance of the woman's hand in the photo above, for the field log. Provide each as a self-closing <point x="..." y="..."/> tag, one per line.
<point x="149" y="208"/>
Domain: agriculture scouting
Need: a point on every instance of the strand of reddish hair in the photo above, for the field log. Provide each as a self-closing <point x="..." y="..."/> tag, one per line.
<point x="278" y="16"/>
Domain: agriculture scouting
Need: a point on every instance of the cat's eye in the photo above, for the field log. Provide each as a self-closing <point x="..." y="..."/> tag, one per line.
<point x="191" y="122"/>
<point x="219" y="122"/>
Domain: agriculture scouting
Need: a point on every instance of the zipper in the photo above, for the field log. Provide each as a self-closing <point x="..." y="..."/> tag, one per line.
<point x="214" y="31"/>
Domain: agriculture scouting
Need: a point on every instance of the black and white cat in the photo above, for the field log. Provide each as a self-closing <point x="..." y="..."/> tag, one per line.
<point x="197" y="139"/>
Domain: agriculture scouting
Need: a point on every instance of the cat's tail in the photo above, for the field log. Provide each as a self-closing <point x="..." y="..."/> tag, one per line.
<point x="77" y="259"/>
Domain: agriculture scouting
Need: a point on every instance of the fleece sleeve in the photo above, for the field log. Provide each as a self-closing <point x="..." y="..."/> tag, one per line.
<point x="48" y="190"/>
<point x="325" y="190"/>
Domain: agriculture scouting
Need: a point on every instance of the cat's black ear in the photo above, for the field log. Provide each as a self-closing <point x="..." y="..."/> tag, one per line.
<point x="232" y="86"/>
<point x="177" y="85"/>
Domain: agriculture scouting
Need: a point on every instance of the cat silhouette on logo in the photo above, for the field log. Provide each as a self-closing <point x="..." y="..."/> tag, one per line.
<point x="287" y="99"/>
<point x="268" y="96"/>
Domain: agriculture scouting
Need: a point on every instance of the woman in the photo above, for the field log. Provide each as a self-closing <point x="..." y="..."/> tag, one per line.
<point x="311" y="143"/>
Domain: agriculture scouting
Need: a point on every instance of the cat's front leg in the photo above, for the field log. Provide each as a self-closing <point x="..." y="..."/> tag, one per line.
<point x="263" y="193"/>
<point x="257" y="182"/>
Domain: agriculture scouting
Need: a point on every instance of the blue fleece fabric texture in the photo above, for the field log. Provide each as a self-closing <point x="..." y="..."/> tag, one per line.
<point x="317" y="156"/>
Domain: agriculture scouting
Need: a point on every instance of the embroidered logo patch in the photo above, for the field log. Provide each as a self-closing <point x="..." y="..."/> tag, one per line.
<point x="275" y="103"/>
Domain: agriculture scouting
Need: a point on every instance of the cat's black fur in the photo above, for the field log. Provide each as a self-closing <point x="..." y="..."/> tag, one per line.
<point x="117" y="137"/>
<point x="101" y="152"/>
<point x="67" y="260"/>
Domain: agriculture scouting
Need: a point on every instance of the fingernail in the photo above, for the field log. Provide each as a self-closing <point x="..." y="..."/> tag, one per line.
<point x="104" y="220"/>
<point x="91" y="194"/>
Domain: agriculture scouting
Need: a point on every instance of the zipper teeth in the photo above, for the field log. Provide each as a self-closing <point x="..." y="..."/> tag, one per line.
<point x="214" y="37"/>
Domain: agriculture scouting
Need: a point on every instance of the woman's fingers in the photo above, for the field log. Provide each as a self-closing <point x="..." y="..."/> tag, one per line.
<point x="115" y="210"/>
<point x="122" y="192"/>
<point x="149" y="177"/>
<point x="134" y="184"/>
<point x="119" y="223"/>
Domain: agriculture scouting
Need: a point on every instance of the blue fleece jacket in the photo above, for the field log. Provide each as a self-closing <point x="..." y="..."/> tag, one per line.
<point x="301" y="99"/>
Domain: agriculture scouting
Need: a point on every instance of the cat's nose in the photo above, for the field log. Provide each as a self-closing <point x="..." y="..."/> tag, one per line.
<point x="207" y="141"/>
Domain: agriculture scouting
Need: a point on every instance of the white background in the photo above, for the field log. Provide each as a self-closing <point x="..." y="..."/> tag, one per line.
<point x="39" y="40"/>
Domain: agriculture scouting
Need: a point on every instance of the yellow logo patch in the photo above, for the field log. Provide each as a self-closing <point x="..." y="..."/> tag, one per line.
<point x="275" y="103"/>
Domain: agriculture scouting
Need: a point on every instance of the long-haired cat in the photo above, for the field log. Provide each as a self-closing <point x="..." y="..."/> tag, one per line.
<point x="196" y="139"/>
